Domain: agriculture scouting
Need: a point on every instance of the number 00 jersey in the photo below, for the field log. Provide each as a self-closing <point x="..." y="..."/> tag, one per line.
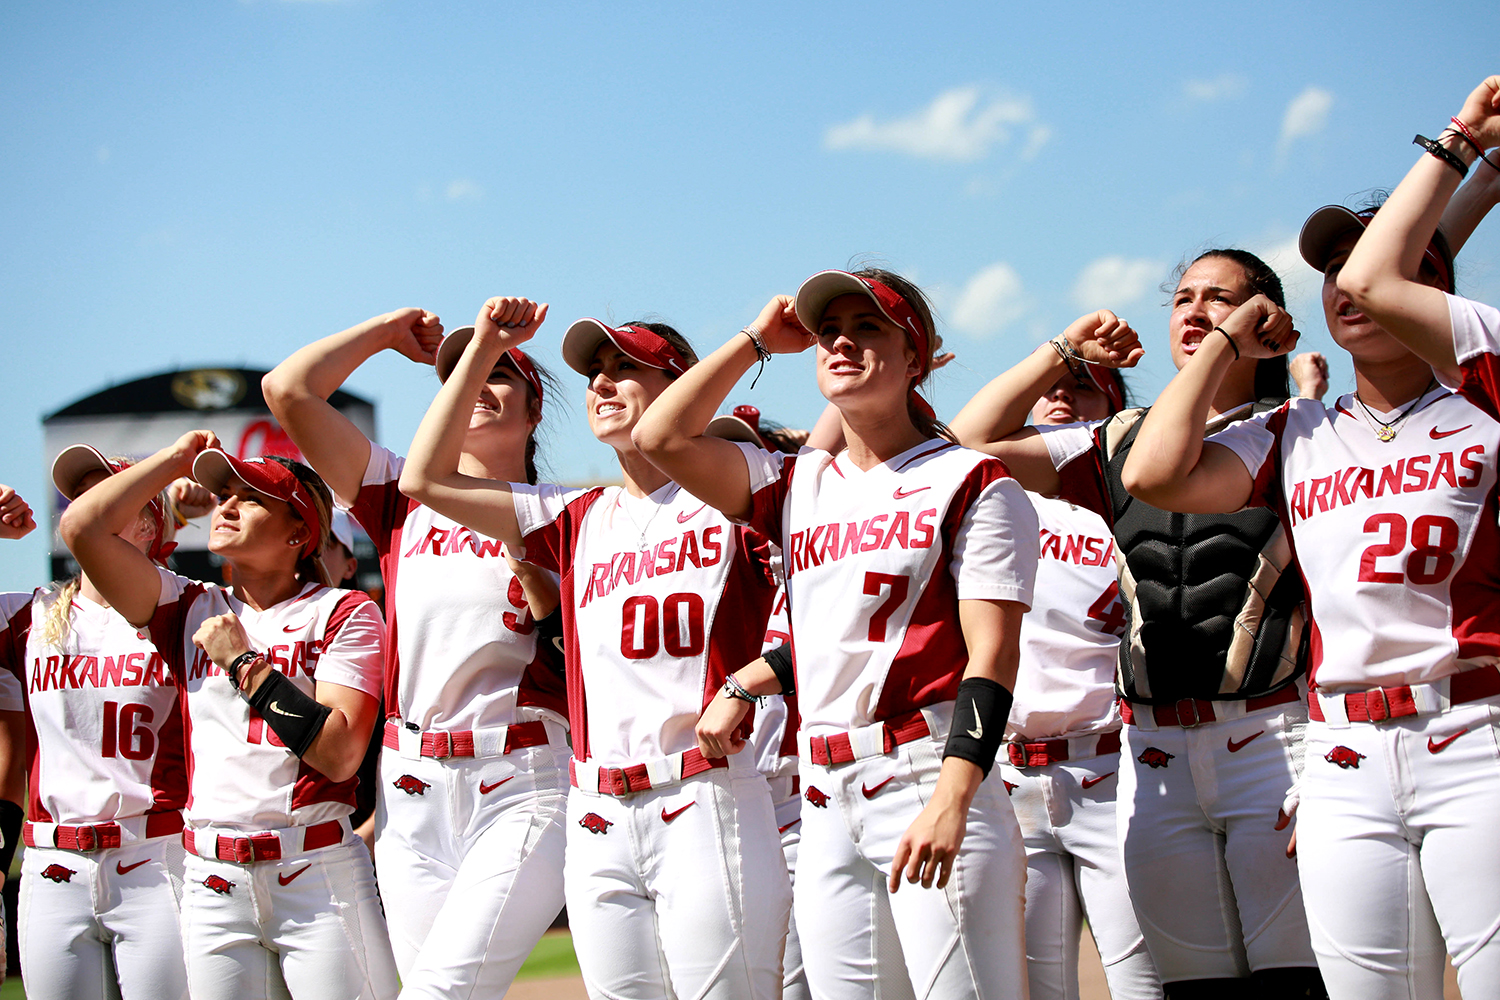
<point x="1397" y="539"/>
<point x="876" y="562"/>
<point x="239" y="773"/>
<point x="662" y="598"/>
<point x="104" y="731"/>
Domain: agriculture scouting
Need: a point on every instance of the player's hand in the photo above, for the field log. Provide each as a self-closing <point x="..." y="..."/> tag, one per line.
<point x="16" y="518"/>
<point x="1261" y="329"/>
<point x="512" y="321"/>
<point x="1284" y="817"/>
<point x="1105" y="339"/>
<point x="1481" y="112"/>
<point x="223" y="638"/>
<point x="716" y="726"/>
<point x="190" y="499"/>
<point x="780" y="330"/>
<point x="1310" y="373"/>
<point x="929" y="847"/>
<point x="413" y="333"/>
<point x="190" y="446"/>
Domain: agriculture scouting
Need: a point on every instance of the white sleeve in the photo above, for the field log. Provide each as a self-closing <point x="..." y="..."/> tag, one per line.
<point x="383" y="467"/>
<point x="355" y="657"/>
<point x="1250" y="440"/>
<point x="995" y="551"/>
<point x="540" y="505"/>
<point x="1066" y="442"/>
<point x="1476" y="328"/>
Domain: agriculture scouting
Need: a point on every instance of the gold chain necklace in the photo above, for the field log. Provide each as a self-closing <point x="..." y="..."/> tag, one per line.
<point x="1388" y="429"/>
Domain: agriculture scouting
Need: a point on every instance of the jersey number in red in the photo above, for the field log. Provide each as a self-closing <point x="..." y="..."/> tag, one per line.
<point x="520" y="624"/>
<point x="127" y="731"/>
<point x="1109" y="610"/>
<point x="874" y="583"/>
<point x="645" y="628"/>
<point x="1434" y="540"/>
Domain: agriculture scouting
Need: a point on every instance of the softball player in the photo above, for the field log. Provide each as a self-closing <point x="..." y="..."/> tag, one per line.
<point x="1062" y="755"/>
<point x="1213" y="712"/>
<point x="106" y="767"/>
<point x="909" y="562"/>
<point x="1390" y="498"/>
<point x="674" y="878"/>
<point x="469" y="825"/>
<point x="281" y="676"/>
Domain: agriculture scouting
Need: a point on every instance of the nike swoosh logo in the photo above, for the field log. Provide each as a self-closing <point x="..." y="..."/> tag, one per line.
<point x="1091" y="782"/>
<point x="276" y="707"/>
<point x="784" y="829"/>
<point x="901" y="494"/>
<point x="1438" y="435"/>
<point x="123" y="869"/>
<point x="667" y="817"/>
<point x="870" y="793"/>
<point x="685" y="518"/>
<point x="287" y="879"/>
<point x="1439" y="747"/>
<point x="486" y="789"/>
<point x="1237" y="747"/>
<point x="295" y="628"/>
<point x="978" y="731"/>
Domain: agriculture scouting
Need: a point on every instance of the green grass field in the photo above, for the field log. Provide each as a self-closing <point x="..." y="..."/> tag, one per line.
<point x="550" y="959"/>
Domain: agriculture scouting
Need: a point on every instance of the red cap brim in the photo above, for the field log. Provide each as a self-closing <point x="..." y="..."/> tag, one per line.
<point x="213" y="469"/>
<point x="637" y="342"/>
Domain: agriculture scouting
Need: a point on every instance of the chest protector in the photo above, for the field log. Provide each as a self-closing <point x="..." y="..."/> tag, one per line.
<point x="1212" y="610"/>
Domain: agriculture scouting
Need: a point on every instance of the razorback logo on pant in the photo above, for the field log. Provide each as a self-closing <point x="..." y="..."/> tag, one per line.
<point x="1010" y="786"/>
<point x="1152" y="757"/>
<point x="816" y="796"/>
<point x="1344" y="757"/>
<point x="411" y="786"/>
<point x="58" y="873"/>
<point x="594" y="823"/>
<point x="217" y="884"/>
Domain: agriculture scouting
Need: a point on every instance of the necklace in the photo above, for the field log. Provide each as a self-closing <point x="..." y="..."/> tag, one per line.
<point x="642" y="528"/>
<point x="1388" y="429"/>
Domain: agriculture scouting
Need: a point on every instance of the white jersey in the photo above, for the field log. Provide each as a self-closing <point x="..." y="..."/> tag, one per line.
<point x="662" y="598"/>
<point x="774" y="742"/>
<point x="104" y="734"/>
<point x="239" y="773"/>
<point x="1397" y="540"/>
<point x="462" y="651"/>
<point x="876" y="563"/>
<point x="1071" y="636"/>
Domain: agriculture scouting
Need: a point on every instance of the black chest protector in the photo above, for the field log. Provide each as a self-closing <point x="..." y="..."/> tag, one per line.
<point x="1214" y="603"/>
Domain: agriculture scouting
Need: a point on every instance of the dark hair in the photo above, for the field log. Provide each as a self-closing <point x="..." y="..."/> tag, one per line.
<point x="671" y="336"/>
<point x="552" y="388"/>
<point x="1271" y="378"/>
<point x="308" y="566"/>
<point x="928" y="424"/>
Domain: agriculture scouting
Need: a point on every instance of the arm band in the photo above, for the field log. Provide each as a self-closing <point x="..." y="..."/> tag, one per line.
<point x="549" y="643"/>
<point x="780" y="662"/>
<point x="10" y="829"/>
<point x="979" y="716"/>
<point x="292" y="715"/>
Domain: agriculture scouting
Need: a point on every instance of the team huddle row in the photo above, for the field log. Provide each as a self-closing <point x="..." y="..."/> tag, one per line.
<point x="1221" y="676"/>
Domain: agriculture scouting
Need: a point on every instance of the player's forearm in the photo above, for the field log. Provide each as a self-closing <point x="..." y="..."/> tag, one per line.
<point x="317" y="370"/>
<point x="1170" y="442"/>
<point x="113" y="505"/>
<point x="758" y="678"/>
<point x="339" y="748"/>
<point x="1001" y="408"/>
<point x="682" y="412"/>
<point x="1469" y="206"/>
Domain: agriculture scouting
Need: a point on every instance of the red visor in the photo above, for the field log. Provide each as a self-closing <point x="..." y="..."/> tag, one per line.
<point x="212" y="468"/>
<point x="77" y="461"/>
<point x="637" y="342"/>
<point x="825" y="286"/>
<point x="453" y="348"/>
<point x="1329" y="224"/>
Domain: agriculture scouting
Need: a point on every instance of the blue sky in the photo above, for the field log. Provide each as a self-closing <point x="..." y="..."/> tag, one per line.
<point x="219" y="182"/>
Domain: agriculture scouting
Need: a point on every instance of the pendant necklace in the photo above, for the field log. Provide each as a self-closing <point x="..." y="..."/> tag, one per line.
<point x="642" y="528"/>
<point x="1388" y="429"/>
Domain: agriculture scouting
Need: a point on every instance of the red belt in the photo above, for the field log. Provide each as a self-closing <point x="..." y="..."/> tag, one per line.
<point x="635" y="778"/>
<point x="1190" y="712"/>
<point x="1379" y="704"/>
<point x="1044" y="752"/>
<point x="442" y="745"/>
<point x="102" y="836"/>
<point x="838" y="749"/>
<point x="264" y="846"/>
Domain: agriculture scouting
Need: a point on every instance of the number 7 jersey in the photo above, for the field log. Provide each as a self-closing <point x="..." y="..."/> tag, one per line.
<point x="1397" y="539"/>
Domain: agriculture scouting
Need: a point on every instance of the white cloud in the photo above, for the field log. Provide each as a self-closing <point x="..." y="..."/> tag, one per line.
<point x="1220" y="88"/>
<point x="1306" y="115"/>
<point x="990" y="301"/>
<point x="959" y="125"/>
<point x="1114" y="282"/>
<point x="464" y="190"/>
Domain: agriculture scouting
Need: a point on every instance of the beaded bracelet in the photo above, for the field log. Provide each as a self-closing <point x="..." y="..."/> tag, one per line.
<point x="1461" y="129"/>
<point x="761" y="354"/>
<point x="734" y="689"/>
<point x="1443" y="153"/>
<point x="1069" y="356"/>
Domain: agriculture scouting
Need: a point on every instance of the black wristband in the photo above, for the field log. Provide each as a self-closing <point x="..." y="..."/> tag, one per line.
<point x="979" y="715"/>
<point x="780" y="662"/>
<point x="296" y="717"/>
<point x="1443" y="153"/>
<point x="239" y="663"/>
<point x="10" y="828"/>
<point x="549" y="643"/>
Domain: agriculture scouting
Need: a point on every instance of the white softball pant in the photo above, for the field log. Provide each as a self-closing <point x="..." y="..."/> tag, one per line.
<point x="858" y="939"/>
<point x="470" y="861"/>
<point x="679" y="892"/>
<point x="1214" y="892"/>
<point x="307" y="926"/>
<point x="1067" y="816"/>
<point x="102" y="924"/>
<point x="1398" y="841"/>
<point x="787" y="796"/>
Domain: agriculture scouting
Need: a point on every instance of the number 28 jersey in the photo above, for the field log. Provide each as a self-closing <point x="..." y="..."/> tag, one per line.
<point x="1398" y="540"/>
<point x="876" y="562"/>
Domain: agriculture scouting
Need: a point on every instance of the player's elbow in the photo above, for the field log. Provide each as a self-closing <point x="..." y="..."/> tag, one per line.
<point x="278" y="391"/>
<point x="1362" y="282"/>
<point x="652" y="438"/>
<point x="74" y="526"/>
<point x="415" y="483"/>
<point x="1143" y="481"/>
